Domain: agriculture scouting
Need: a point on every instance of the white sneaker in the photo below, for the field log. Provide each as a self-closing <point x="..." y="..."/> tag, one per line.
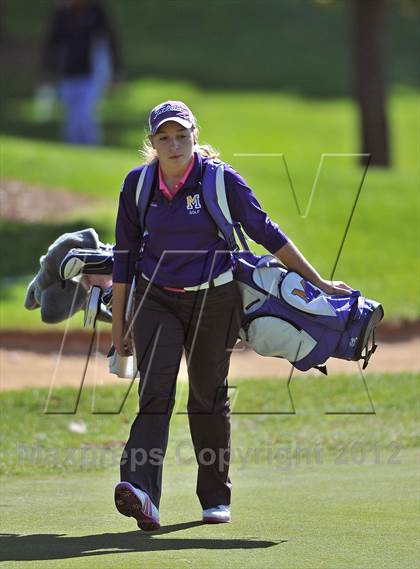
<point x="217" y="515"/>
<point x="132" y="502"/>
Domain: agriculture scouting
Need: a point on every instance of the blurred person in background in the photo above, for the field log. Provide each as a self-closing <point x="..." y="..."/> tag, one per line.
<point x="80" y="54"/>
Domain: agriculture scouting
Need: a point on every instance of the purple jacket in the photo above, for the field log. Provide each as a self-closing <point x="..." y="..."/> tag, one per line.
<point x="181" y="235"/>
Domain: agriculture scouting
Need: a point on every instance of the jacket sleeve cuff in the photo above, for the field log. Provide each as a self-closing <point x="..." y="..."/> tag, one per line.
<point x="277" y="243"/>
<point x="124" y="267"/>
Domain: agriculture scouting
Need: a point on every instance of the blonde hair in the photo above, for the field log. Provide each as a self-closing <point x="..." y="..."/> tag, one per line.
<point x="148" y="153"/>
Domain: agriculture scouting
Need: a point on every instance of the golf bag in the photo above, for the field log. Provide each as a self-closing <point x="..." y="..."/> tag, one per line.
<point x="287" y="316"/>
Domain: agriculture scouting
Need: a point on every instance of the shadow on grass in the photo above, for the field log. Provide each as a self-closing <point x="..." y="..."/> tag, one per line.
<point x="41" y="547"/>
<point x="26" y="242"/>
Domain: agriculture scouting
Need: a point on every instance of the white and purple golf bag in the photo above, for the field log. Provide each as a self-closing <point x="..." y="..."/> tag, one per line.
<point x="287" y="316"/>
<point x="284" y="315"/>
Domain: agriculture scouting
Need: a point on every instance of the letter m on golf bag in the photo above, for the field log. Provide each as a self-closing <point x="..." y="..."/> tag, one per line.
<point x="284" y="314"/>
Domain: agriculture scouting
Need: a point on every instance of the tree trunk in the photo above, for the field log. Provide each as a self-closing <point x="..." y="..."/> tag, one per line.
<point x="369" y="35"/>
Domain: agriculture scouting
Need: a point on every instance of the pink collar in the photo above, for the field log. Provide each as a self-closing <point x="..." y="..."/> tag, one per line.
<point x="164" y="188"/>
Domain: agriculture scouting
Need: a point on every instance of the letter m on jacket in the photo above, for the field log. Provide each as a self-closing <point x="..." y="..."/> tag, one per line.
<point x="193" y="202"/>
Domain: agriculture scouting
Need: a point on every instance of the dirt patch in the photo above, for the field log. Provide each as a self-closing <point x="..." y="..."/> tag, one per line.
<point x="23" y="202"/>
<point x="398" y="330"/>
<point x="49" y="342"/>
<point x="36" y="368"/>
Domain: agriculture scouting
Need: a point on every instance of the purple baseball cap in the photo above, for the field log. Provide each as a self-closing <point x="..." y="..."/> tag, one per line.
<point x="170" y="111"/>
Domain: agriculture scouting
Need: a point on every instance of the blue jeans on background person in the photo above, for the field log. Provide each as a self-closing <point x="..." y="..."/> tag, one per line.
<point x="80" y="97"/>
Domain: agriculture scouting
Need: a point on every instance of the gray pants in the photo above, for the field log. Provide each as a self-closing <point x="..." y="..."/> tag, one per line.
<point x="167" y="323"/>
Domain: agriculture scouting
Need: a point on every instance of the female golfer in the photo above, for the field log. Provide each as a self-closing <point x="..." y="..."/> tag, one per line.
<point x="192" y="303"/>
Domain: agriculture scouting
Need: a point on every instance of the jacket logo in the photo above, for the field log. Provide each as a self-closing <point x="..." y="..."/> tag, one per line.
<point x="193" y="203"/>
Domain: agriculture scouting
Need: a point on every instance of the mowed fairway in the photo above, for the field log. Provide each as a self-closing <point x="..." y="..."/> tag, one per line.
<point x="310" y="489"/>
<point x="318" y="515"/>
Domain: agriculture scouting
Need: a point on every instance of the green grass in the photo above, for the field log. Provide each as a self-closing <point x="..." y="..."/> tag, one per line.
<point x="338" y="492"/>
<point x="329" y="412"/>
<point x="318" y="516"/>
<point x="381" y="247"/>
<point x="95" y="172"/>
<point x="14" y="315"/>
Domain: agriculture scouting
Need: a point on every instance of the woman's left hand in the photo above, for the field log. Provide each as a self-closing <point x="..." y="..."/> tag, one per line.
<point x="334" y="287"/>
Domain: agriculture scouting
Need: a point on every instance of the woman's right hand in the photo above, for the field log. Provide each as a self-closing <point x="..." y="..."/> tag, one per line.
<point x="122" y="347"/>
<point x="121" y="342"/>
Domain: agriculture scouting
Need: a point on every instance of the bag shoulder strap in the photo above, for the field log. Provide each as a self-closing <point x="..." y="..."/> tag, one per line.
<point x="144" y="191"/>
<point x="215" y="198"/>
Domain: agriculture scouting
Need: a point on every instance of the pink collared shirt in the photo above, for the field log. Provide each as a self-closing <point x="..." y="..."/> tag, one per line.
<point x="164" y="188"/>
